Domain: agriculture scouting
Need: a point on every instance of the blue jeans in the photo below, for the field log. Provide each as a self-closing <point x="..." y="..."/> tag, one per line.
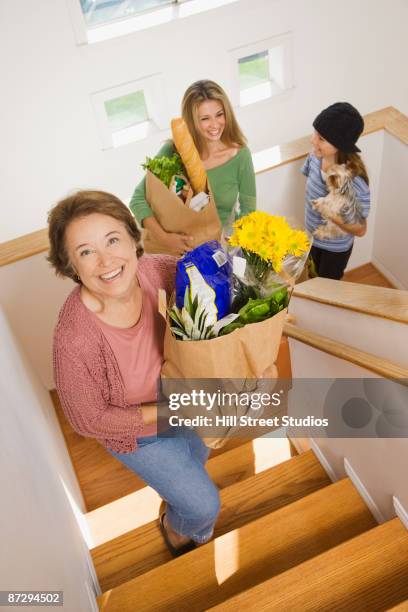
<point x="174" y="467"/>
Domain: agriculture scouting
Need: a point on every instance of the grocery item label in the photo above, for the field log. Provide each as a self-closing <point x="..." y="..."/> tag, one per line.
<point x="220" y="258"/>
<point x="238" y="265"/>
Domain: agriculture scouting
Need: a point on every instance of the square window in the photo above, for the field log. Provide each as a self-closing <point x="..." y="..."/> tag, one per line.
<point x="264" y="69"/>
<point x="130" y="112"/>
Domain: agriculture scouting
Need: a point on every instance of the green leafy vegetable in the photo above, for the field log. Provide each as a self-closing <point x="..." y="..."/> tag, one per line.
<point x="164" y="167"/>
<point x="258" y="309"/>
<point x="227" y="329"/>
<point x="243" y="294"/>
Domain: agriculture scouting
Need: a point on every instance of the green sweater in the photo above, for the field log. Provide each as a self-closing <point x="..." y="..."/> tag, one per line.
<point x="233" y="179"/>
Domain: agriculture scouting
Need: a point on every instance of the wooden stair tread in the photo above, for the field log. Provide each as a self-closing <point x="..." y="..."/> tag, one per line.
<point x="249" y="555"/>
<point x="142" y="549"/>
<point x="369" y="572"/>
<point x="377" y="301"/>
<point x="400" y="607"/>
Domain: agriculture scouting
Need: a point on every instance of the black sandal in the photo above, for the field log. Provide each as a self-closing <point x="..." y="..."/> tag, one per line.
<point x="175" y="552"/>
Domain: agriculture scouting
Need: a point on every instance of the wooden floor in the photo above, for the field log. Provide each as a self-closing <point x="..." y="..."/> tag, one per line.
<point x="367" y="275"/>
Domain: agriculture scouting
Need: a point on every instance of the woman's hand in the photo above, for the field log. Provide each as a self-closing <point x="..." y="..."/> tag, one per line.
<point x="149" y="413"/>
<point x="356" y="229"/>
<point x="179" y="243"/>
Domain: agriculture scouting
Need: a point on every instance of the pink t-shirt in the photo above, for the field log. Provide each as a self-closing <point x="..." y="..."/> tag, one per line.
<point x="139" y="350"/>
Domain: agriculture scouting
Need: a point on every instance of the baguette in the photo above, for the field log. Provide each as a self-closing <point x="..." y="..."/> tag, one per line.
<point x="185" y="146"/>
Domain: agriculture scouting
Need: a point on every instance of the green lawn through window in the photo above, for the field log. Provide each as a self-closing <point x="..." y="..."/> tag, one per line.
<point x="253" y="70"/>
<point x="126" y="111"/>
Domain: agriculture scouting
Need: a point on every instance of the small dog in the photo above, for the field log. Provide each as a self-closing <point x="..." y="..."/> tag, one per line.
<point x="340" y="201"/>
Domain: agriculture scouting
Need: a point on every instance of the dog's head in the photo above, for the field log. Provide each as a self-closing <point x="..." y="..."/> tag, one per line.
<point x="338" y="178"/>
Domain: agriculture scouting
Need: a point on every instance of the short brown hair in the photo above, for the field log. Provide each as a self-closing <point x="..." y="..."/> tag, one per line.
<point x="199" y="92"/>
<point x="82" y="204"/>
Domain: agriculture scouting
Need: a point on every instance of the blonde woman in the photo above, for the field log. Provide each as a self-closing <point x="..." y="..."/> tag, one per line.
<point x="221" y="144"/>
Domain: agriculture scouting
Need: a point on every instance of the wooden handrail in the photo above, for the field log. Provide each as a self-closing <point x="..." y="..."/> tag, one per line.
<point x="378" y="365"/>
<point x="389" y="119"/>
<point x="23" y="247"/>
<point x="381" y="302"/>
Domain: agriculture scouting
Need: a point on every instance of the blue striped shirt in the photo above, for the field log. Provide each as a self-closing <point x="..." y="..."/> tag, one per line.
<point x="317" y="188"/>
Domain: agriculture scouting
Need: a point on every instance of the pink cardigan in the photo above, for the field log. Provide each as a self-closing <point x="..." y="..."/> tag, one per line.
<point x="87" y="375"/>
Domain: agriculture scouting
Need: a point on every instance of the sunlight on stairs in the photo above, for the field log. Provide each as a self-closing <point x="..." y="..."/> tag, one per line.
<point x="226" y="556"/>
<point x="141" y="507"/>
<point x="287" y="539"/>
<point x="122" y="515"/>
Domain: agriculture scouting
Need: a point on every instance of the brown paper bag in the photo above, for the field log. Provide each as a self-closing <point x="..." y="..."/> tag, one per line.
<point x="246" y="353"/>
<point x="175" y="216"/>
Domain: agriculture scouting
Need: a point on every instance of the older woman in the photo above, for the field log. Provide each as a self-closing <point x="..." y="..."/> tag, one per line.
<point x="108" y="352"/>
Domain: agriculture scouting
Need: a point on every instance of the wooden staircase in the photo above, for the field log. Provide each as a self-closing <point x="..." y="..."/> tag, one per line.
<point x="286" y="539"/>
<point x="143" y="549"/>
<point x="368" y="572"/>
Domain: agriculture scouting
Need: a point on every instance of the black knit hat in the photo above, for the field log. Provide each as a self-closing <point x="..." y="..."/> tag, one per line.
<point x="340" y="124"/>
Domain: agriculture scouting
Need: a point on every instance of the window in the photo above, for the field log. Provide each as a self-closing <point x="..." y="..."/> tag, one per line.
<point x="97" y="20"/>
<point x="126" y="111"/>
<point x="263" y="70"/>
<point x="98" y="12"/>
<point x="253" y="70"/>
<point x="129" y="112"/>
<point x="127" y="118"/>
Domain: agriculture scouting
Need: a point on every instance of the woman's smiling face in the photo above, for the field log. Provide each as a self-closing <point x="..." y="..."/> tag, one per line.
<point x="103" y="255"/>
<point x="211" y="119"/>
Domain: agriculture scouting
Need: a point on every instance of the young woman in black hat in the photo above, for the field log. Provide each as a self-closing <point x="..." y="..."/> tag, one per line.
<point x="336" y="131"/>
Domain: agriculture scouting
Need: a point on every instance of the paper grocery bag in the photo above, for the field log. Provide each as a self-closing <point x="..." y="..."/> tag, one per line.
<point x="244" y="353"/>
<point x="175" y="216"/>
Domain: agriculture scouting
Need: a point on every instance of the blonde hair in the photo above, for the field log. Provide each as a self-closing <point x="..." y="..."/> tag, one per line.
<point x="354" y="162"/>
<point x="199" y="92"/>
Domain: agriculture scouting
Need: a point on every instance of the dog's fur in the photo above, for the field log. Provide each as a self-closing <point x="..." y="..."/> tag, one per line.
<point x="340" y="201"/>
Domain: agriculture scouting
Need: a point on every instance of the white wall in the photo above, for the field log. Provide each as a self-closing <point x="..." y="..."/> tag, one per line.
<point x="50" y="141"/>
<point x="389" y="253"/>
<point x="379" y="463"/>
<point x="41" y="542"/>
<point x="31" y="296"/>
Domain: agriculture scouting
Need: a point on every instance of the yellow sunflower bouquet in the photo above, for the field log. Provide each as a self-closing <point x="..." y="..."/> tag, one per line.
<point x="269" y="243"/>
